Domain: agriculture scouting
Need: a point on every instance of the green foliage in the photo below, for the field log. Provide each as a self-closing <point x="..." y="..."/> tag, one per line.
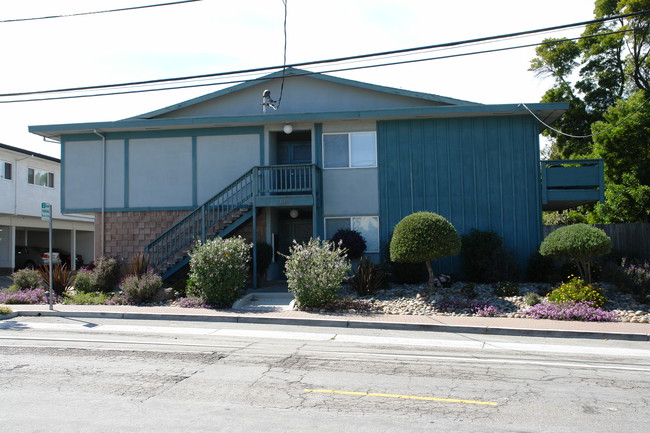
<point x="83" y="282"/>
<point x="352" y="242"/>
<point x="576" y="290"/>
<point x="138" y="265"/>
<point x="106" y="275"/>
<point x="26" y="279"/>
<point x="542" y="269"/>
<point x="369" y="278"/>
<point x="484" y="258"/>
<point x="315" y="272"/>
<point x="5" y="310"/>
<point x="532" y="298"/>
<point x="139" y="289"/>
<point x="505" y="289"/>
<point x="62" y="277"/>
<point x="86" y="298"/>
<point x="218" y="270"/>
<point x="580" y="243"/>
<point x="422" y="237"/>
<point x="469" y="291"/>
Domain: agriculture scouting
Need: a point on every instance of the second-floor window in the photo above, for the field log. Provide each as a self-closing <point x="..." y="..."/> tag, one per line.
<point x="5" y="170"/>
<point x="356" y="149"/>
<point x="40" y="177"/>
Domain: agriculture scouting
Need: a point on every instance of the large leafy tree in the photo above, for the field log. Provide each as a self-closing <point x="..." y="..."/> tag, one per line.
<point x="606" y="78"/>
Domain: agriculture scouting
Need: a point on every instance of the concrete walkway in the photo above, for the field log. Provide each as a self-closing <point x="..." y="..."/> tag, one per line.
<point x="468" y="325"/>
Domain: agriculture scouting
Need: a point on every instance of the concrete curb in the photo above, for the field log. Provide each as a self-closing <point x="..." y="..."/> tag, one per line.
<point x="344" y="323"/>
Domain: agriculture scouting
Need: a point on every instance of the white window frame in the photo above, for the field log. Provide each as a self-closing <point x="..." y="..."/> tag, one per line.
<point x="374" y="133"/>
<point x="40" y="170"/>
<point x="3" y="173"/>
<point x="350" y="218"/>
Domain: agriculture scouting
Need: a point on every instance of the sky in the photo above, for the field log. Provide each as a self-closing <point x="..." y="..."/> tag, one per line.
<point x="213" y="36"/>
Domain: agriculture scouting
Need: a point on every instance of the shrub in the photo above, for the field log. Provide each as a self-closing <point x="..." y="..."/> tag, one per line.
<point x="218" y="270"/>
<point x="505" y="289"/>
<point x="542" y="269"/>
<point x="532" y="298"/>
<point x="469" y="291"/>
<point x="484" y="258"/>
<point x="422" y="237"/>
<point x="86" y="298"/>
<point x="138" y="289"/>
<point x="487" y="311"/>
<point x="315" y="271"/>
<point x="62" y="277"/>
<point x="352" y="242"/>
<point x="571" y="311"/>
<point x="5" y="310"/>
<point x="580" y="243"/>
<point x="191" y="302"/>
<point x="576" y="290"/>
<point x="630" y="276"/>
<point x="138" y="265"/>
<point x="26" y="279"/>
<point x="369" y="278"/>
<point x="83" y="282"/>
<point x="106" y="275"/>
<point x="27" y="296"/>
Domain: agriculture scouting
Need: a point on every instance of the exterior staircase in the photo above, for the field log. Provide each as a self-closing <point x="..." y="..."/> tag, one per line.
<point x="229" y="209"/>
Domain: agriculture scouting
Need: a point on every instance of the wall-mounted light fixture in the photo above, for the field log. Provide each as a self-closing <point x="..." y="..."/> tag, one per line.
<point x="288" y="129"/>
<point x="293" y="213"/>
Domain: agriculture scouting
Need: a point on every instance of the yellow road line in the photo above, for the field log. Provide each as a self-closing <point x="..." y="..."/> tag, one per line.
<point x="409" y="397"/>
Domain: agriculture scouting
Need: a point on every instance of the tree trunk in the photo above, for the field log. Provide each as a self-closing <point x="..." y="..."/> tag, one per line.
<point x="431" y="276"/>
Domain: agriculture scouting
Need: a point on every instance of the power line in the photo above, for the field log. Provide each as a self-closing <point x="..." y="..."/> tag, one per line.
<point x="331" y="60"/>
<point x="307" y="73"/>
<point x="97" y="12"/>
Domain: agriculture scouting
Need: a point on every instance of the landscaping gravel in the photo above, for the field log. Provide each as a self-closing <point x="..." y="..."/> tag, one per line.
<point x="408" y="299"/>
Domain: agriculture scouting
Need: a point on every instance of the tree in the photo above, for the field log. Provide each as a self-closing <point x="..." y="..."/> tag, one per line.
<point x="608" y="103"/>
<point x="422" y="237"/>
<point x="578" y="242"/>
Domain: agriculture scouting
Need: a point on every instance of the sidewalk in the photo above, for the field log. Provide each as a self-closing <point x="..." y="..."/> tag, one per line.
<point x="455" y="324"/>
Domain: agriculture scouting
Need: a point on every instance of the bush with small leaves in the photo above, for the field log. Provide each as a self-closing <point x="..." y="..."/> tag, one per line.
<point x="352" y="242"/>
<point x="107" y="274"/>
<point x="576" y="290"/>
<point x="531" y="298"/>
<point x="315" y="272"/>
<point x="218" y="271"/>
<point x="484" y="259"/>
<point x="580" y="243"/>
<point x="139" y="289"/>
<point x="505" y="289"/>
<point x="83" y="282"/>
<point x="26" y="279"/>
<point x="422" y="237"/>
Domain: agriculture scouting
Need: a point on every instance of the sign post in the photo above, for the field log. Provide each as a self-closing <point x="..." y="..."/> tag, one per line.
<point x="46" y="215"/>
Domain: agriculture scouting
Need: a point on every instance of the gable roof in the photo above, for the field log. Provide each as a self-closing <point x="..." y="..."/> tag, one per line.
<point x="293" y="72"/>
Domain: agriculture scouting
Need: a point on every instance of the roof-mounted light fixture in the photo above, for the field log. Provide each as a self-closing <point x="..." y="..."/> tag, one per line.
<point x="267" y="101"/>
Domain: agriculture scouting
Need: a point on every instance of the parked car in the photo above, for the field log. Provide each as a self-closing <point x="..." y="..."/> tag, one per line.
<point x="32" y="257"/>
<point x="65" y="258"/>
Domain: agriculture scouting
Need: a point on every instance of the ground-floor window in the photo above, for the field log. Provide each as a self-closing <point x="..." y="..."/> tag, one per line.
<point x="368" y="226"/>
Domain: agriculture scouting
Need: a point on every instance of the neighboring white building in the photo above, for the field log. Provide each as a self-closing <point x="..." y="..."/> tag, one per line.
<point x="28" y="179"/>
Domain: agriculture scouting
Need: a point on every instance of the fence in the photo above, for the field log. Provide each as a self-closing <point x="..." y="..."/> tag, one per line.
<point x="631" y="239"/>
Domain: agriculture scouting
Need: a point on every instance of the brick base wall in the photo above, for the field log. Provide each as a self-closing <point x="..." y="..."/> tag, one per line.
<point x="128" y="233"/>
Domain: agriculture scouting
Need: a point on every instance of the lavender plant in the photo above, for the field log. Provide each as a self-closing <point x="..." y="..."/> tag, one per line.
<point x="218" y="271"/>
<point x="27" y="296"/>
<point x="582" y="311"/>
<point x="315" y="272"/>
<point x="141" y="288"/>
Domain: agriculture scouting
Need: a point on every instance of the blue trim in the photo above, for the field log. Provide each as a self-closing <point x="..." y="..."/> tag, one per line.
<point x="167" y="133"/>
<point x="126" y="173"/>
<point x="318" y="144"/>
<point x="262" y="148"/>
<point x="124" y="209"/>
<point x="548" y="112"/>
<point x="194" y="173"/>
<point x="61" y="175"/>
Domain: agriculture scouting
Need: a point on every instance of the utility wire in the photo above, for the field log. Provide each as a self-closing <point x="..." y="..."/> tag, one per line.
<point x="307" y="73"/>
<point x="97" y="12"/>
<point x="334" y="60"/>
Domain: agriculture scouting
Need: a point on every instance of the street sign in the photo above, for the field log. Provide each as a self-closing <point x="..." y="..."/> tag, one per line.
<point x="45" y="211"/>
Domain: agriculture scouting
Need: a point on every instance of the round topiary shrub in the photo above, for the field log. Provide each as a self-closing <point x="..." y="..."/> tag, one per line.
<point x="352" y="241"/>
<point x="578" y="242"/>
<point x="422" y="237"/>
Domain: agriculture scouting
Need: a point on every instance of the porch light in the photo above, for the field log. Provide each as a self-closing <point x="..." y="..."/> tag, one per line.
<point x="293" y="213"/>
<point x="288" y="129"/>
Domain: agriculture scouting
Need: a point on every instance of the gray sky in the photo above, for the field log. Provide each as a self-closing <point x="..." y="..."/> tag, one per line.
<point x="217" y="35"/>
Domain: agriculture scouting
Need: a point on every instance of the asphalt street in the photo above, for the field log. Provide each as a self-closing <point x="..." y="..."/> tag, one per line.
<point x="99" y="375"/>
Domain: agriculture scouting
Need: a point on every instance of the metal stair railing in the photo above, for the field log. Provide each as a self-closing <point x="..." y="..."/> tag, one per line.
<point x="196" y="225"/>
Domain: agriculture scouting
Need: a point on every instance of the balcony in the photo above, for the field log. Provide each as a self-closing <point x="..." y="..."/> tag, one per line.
<point x="570" y="183"/>
<point x="286" y="185"/>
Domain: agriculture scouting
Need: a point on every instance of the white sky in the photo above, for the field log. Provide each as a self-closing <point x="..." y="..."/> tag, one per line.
<point x="218" y="35"/>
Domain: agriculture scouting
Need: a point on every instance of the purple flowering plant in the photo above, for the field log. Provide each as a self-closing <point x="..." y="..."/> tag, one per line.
<point x="582" y="311"/>
<point x="28" y="296"/>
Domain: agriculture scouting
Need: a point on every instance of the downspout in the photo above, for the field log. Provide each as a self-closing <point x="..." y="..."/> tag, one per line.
<point x="103" y="208"/>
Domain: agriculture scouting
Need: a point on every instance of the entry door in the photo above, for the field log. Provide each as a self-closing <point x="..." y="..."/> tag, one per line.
<point x="299" y="229"/>
<point x="291" y="153"/>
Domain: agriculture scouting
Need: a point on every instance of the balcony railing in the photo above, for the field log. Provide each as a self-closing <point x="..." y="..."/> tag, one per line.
<point x="571" y="182"/>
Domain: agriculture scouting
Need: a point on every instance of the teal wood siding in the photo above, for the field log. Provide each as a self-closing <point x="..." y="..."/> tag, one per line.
<point x="480" y="172"/>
